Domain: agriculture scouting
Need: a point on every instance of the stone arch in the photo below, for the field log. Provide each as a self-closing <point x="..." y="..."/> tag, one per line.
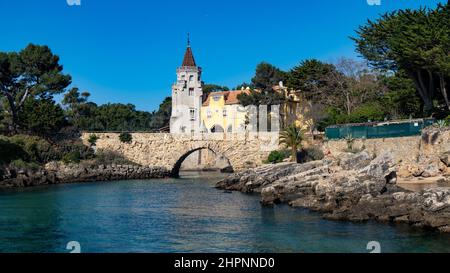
<point x="224" y="162"/>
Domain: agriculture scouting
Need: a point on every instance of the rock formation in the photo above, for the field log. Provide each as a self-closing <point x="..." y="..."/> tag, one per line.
<point x="352" y="187"/>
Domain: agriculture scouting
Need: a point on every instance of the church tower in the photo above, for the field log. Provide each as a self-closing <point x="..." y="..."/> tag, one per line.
<point x="187" y="96"/>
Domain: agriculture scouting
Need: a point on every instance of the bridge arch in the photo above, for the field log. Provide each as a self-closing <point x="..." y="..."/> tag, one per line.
<point x="175" y="172"/>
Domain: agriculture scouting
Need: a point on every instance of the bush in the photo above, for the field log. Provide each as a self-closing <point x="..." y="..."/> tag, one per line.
<point x="72" y="157"/>
<point x="67" y="147"/>
<point x="11" y="151"/>
<point x="22" y="165"/>
<point x="105" y="157"/>
<point x="93" y="139"/>
<point x="447" y="120"/>
<point x="38" y="149"/>
<point x="312" y="153"/>
<point x="277" y="156"/>
<point x="126" y="137"/>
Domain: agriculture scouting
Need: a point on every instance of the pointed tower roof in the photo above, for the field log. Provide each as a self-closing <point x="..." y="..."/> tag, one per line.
<point x="189" y="56"/>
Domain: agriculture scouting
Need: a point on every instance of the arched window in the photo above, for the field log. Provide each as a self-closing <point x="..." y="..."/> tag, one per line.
<point x="230" y="129"/>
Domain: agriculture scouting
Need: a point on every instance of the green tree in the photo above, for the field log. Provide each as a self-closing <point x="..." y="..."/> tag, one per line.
<point x="415" y="41"/>
<point x="267" y="76"/>
<point x="33" y="72"/>
<point x="208" y="88"/>
<point x="310" y="78"/>
<point x="292" y="137"/>
<point x="41" y="116"/>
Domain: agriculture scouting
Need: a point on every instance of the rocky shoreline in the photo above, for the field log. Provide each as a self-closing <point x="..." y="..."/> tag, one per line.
<point x="58" y="173"/>
<point x="355" y="187"/>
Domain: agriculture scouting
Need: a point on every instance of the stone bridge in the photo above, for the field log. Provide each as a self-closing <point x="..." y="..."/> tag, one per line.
<point x="243" y="151"/>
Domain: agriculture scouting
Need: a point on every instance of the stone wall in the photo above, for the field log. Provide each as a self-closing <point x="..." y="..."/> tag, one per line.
<point x="416" y="155"/>
<point x="243" y="151"/>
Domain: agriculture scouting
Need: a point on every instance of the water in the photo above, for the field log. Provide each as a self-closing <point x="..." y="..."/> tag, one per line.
<point x="183" y="215"/>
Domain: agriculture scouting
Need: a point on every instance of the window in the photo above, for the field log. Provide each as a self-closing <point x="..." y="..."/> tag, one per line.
<point x="191" y="78"/>
<point x="208" y="114"/>
<point x="192" y="114"/>
<point x="191" y="91"/>
<point x="183" y="77"/>
<point x="224" y="112"/>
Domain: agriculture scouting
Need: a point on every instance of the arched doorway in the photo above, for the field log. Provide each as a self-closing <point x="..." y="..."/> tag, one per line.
<point x="217" y="129"/>
<point x="222" y="162"/>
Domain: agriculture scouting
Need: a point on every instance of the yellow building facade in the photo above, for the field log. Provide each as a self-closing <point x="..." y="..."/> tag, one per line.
<point x="221" y="112"/>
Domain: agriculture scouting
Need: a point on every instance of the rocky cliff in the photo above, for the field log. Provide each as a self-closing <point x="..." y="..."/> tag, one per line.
<point x="353" y="187"/>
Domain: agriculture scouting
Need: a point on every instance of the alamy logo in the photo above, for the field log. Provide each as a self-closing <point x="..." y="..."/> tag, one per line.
<point x="74" y="2"/>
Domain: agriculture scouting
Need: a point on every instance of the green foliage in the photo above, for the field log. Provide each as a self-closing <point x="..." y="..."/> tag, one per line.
<point x="267" y="76"/>
<point x="22" y="165"/>
<point x="447" y="120"/>
<point x="292" y="138"/>
<point x="277" y="156"/>
<point x="309" y="77"/>
<point x="33" y="72"/>
<point x="41" y="116"/>
<point x="72" y="157"/>
<point x="113" y="117"/>
<point x="126" y="137"/>
<point x="35" y="148"/>
<point x="10" y="151"/>
<point x="312" y="153"/>
<point x="441" y="124"/>
<point x="106" y="157"/>
<point x="260" y="98"/>
<point x="415" y="41"/>
<point x="93" y="139"/>
<point x="209" y="88"/>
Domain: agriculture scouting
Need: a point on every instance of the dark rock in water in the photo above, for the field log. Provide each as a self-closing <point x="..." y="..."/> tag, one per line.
<point x="366" y="191"/>
<point x="58" y="173"/>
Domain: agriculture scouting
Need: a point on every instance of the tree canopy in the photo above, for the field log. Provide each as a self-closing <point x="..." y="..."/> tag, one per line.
<point x="416" y="42"/>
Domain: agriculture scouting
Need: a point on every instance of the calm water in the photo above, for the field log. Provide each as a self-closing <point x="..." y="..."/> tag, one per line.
<point x="184" y="215"/>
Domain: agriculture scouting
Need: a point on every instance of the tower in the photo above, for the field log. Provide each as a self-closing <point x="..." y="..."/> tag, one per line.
<point x="187" y="96"/>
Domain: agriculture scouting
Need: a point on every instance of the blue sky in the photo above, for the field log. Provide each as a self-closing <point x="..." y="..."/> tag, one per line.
<point x="128" y="50"/>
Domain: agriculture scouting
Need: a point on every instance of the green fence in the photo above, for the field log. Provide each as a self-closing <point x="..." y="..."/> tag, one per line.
<point x="379" y="129"/>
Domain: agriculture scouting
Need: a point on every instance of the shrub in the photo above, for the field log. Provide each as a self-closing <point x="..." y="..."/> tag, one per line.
<point x="126" y="137"/>
<point x="277" y="156"/>
<point x="10" y="151"/>
<point x="67" y="147"/>
<point x="22" y="165"/>
<point x="93" y="139"/>
<point x="106" y="157"/>
<point x="38" y="149"/>
<point x="72" y="157"/>
<point x="447" y="120"/>
<point x="312" y="153"/>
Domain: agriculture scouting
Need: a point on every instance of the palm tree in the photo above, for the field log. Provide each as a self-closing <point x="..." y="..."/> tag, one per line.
<point x="292" y="137"/>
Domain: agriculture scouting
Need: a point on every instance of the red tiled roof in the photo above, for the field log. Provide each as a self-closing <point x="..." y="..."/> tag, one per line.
<point x="189" y="58"/>
<point x="230" y="96"/>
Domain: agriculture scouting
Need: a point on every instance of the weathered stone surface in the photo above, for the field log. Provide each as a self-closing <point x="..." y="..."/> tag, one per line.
<point x="58" y="173"/>
<point x="445" y="158"/>
<point x="241" y="151"/>
<point x="366" y="192"/>
<point x="415" y="156"/>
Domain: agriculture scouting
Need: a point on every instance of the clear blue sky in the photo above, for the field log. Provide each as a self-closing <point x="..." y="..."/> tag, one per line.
<point x="127" y="50"/>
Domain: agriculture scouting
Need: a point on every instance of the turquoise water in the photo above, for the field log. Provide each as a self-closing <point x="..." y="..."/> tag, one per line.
<point x="183" y="215"/>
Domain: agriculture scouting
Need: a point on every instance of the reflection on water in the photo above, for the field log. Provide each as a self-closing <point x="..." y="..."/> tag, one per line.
<point x="183" y="215"/>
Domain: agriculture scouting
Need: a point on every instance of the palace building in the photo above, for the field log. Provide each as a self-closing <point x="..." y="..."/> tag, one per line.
<point x="220" y="111"/>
